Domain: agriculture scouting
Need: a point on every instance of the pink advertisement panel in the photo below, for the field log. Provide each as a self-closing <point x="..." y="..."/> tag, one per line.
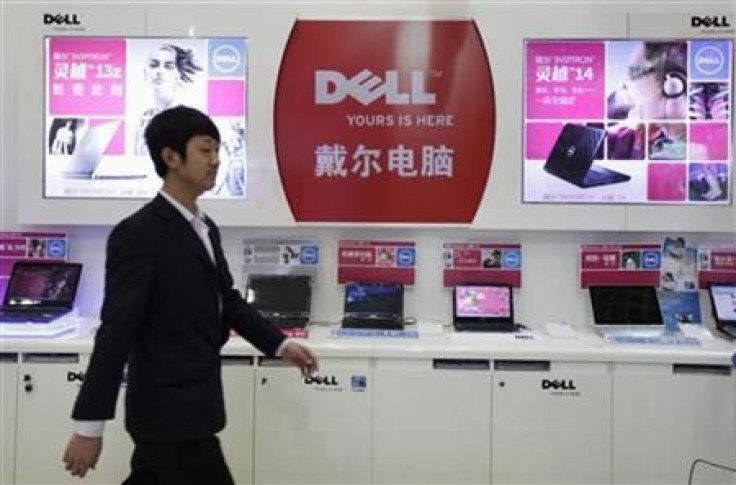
<point x="628" y="121"/>
<point x="102" y="92"/>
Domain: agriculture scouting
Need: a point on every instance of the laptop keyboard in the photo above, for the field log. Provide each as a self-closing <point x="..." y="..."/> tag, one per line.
<point x="14" y="316"/>
<point x="290" y="322"/>
<point x="372" y="322"/>
<point x="654" y="340"/>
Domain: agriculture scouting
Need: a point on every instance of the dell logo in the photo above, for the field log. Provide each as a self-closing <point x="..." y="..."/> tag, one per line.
<point x="331" y="87"/>
<point x="74" y="376"/>
<point x="322" y="380"/>
<point x="709" y="21"/>
<point x="226" y="58"/>
<point x="564" y="384"/>
<point x="61" y="19"/>
<point x="570" y="150"/>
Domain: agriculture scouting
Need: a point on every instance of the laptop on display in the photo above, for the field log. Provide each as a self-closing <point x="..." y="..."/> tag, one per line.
<point x="40" y="292"/>
<point x="89" y="162"/>
<point x="626" y="309"/>
<point x="572" y="156"/>
<point x="723" y="300"/>
<point x="374" y="306"/>
<point x="483" y="308"/>
<point x="283" y="299"/>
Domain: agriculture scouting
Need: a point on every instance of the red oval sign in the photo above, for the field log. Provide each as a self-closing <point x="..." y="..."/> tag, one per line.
<point x="384" y="121"/>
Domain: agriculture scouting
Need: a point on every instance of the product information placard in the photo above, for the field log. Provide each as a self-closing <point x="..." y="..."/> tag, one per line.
<point x="716" y="264"/>
<point x="628" y="121"/>
<point x="102" y="92"/>
<point x="620" y="264"/>
<point x="22" y="246"/>
<point x="376" y="262"/>
<point x="481" y="263"/>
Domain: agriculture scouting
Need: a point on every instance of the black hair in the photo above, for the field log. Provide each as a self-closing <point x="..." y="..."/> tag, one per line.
<point x="173" y="128"/>
<point x="667" y="56"/>
<point x="185" y="64"/>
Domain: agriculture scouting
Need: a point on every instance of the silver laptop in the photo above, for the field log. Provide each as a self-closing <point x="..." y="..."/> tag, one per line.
<point x="89" y="161"/>
<point x="626" y="310"/>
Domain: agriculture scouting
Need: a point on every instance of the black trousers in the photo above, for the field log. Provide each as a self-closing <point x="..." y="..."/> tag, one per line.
<point x="180" y="463"/>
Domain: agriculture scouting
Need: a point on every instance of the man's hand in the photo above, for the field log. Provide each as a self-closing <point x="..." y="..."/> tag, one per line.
<point x="81" y="454"/>
<point x="300" y="356"/>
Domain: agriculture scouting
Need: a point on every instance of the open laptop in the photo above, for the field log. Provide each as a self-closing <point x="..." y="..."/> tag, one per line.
<point x="483" y="308"/>
<point x="723" y="300"/>
<point x="40" y="292"/>
<point x="283" y="299"/>
<point x="572" y="156"/>
<point x="374" y="306"/>
<point x="89" y="161"/>
<point x="630" y="310"/>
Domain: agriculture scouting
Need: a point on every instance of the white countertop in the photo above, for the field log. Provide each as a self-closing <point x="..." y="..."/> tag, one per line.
<point x="437" y="342"/>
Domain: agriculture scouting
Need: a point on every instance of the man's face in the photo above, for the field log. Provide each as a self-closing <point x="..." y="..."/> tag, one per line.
<point x="199" y="169"/>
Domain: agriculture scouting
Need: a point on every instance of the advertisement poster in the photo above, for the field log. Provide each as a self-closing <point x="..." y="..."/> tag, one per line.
<point x="466" y="263"/>
<point x="628" y="121"/>
<point x="376" y="262"/>
<point x="620" y="264"/>
<point x="395" y="121"/>
<point x="679" y="269"/>
<point x="101" y="93"/>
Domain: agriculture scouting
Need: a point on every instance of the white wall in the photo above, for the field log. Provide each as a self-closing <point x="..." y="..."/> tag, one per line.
<point x="551" y="235"/>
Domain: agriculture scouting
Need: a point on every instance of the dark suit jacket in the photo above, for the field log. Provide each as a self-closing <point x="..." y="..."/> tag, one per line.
<point x="167" y="311"/>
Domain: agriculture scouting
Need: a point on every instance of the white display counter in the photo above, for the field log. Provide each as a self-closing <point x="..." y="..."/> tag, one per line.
<point x="440" y="408"/>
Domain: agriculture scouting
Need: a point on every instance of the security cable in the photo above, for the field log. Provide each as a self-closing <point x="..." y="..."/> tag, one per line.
<point x="710" y="463"/>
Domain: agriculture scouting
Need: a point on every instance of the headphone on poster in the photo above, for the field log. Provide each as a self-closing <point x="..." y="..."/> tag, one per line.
<point x="674" y="84"/>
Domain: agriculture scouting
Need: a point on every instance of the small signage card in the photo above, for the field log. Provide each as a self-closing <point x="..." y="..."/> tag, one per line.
<point x="376" y="262"/>
<point x="620" y="264"/>
<point x="481" y="263"/>
<point x="16" y="246"/>
<point x="716" y="264"/>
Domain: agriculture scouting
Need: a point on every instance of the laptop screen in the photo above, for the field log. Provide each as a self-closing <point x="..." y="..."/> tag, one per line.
<point x="42" y="284"/>
<point x="483" y="303"/>
<point x="375" y="299"/>
<point x="723" y="297"/>
<point x="625" y="305"/>
<point x="280" y="295"/>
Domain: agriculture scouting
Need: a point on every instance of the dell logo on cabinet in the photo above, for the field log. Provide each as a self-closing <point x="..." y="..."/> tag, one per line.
<point x="709" y="21"/>
<point x="331" y="87"/>
<point x="74" y="376"/>
<point x="61" y="19"/>
<point x="322" y="380"/>
<point x="564" y="384"/>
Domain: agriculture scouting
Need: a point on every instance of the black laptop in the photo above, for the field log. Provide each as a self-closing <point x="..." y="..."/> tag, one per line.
<point x="723" y="300"/>
<point x="573" y="154"/>
<point x="483" y="308"/>
<point x="283" y="299"/>
<point x="40" y="291"/>
<point x="377" y="306"/>
<point x="629" y="308"/>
